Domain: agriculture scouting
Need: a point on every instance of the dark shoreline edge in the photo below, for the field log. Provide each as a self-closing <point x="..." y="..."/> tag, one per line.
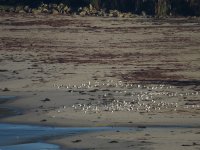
<point x="5" y="109"/>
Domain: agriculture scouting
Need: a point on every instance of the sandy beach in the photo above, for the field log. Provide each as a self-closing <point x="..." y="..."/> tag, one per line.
<point x="77" y="71"/>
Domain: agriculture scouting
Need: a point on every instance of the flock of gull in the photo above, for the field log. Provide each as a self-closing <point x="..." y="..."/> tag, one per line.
<point x="114" y="96"/>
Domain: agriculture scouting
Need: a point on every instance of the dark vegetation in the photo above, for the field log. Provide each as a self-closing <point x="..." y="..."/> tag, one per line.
<point x="150" y="7"/>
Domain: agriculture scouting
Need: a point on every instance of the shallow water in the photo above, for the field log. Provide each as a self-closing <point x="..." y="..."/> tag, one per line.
<point x="23" y="137"/>
<point x="4" y="98"/>
<point x="6" y="111"/>
<point x="32" y="137"/>
<point x="31" y="146"/>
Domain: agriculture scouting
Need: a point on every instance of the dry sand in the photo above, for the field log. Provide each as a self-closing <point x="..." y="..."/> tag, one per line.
<point x="44" y="58"/>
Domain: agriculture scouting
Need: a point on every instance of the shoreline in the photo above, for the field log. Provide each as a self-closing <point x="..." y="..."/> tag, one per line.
<point x="111" y="137"/>
<point x="87" y="71"/>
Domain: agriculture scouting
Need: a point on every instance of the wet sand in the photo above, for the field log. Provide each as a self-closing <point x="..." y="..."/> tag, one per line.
<point x="149" y="138"/>
<point x="23" y="137"/>
<point x="88" y="71"/>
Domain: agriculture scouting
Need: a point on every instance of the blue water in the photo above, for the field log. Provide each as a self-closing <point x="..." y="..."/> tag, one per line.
<point x="32" y="137"/>
<point x="31" y="146"/>
<point x="23" y="137"/>
<point x="5" y="97"/>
